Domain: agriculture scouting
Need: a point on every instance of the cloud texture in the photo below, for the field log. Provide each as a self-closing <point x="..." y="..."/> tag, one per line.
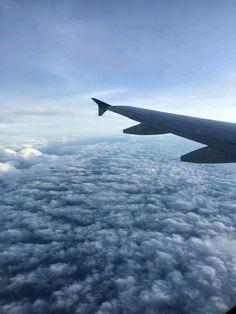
<point x="112" y="227"/>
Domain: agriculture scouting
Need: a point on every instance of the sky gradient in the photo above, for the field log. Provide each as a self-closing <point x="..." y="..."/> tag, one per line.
<point x="177" y="56"/>
<point x="92" y="222"/>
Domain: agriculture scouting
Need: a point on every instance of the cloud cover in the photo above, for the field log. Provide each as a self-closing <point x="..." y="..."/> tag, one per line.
<point x="112" y="227"/>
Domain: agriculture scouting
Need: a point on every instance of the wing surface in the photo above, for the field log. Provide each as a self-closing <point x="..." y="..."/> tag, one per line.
<point x="220" y="137"/>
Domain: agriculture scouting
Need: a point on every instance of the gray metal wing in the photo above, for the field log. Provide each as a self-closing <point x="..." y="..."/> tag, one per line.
<point x="220" y="137"/>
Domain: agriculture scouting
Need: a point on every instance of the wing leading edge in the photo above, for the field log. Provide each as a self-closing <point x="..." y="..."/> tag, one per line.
<point x="220" y="137"/>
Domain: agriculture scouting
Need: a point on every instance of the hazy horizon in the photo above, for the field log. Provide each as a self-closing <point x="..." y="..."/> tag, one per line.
<point x="164" y="55"/>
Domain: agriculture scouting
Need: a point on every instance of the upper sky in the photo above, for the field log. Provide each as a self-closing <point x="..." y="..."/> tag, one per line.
<point x="177" y="56"/>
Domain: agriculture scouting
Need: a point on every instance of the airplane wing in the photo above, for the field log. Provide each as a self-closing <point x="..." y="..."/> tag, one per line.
<point x="220" y="137"/>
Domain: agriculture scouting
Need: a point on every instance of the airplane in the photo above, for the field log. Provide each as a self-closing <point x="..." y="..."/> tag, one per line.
<point x="219" y="136"/>
<point x="232" y="311"/>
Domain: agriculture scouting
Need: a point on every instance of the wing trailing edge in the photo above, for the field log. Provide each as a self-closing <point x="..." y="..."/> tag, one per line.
<point x="208" y="155"/>
<point x="144" y="129"/>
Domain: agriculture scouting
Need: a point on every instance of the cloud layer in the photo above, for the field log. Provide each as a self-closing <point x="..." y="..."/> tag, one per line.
<point x="112" y="227"/>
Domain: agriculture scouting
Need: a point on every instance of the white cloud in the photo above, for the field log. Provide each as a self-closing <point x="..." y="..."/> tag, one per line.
<point x="4" y="167"/>
<point x="30" y="152"/>
<point x="8" y="171"/>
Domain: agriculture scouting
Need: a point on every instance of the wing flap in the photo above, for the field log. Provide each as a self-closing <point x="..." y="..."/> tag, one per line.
<point x="144" y="129"/>
<point x="208" y="155"/>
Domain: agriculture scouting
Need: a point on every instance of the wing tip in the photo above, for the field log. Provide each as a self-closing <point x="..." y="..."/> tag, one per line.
<point x="102" y="106"/>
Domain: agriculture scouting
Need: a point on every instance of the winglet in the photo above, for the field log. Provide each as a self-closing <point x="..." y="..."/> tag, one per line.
<point x="102" y="106"/>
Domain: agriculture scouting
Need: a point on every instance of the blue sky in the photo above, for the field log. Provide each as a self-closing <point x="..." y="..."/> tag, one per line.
<point x="178" y="56"/>
<point x="118" y="224"/>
